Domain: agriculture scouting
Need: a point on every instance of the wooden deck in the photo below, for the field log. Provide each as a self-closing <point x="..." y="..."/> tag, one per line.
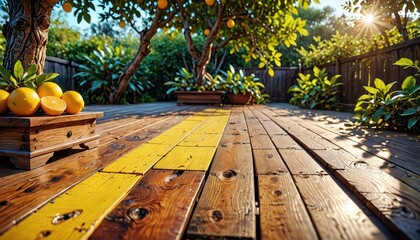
<point x="186" y="172"/>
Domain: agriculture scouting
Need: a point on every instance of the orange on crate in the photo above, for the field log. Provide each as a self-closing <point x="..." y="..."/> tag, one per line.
<point x="74" y="101"/>
<point x="23" y="102"/>
<point x="53" y="106"/>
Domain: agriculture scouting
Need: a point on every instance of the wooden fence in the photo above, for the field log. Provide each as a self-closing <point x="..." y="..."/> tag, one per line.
<point x="362" y="70"/>
<point x="65" y="68"/>
<point x="276" y="86"/>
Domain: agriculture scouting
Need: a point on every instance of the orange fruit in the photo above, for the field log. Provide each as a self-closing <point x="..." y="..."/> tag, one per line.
<point x="206" y="32"/>
<point x="121" y="24"/>
<point x="67" y="7"/>
<point x="230" y="23"/>
<point x="74" y="102"/>
<point x="3" y="101"/>
<point x="23" y="101"/>
<point x="53" y="106"/>
<point x="162" y="4"/>
<point x="49" y="89"/>
<point x="209" y="2"/>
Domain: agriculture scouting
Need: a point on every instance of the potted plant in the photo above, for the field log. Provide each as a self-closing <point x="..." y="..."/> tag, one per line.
<point x="243" y="89"/>
<point x="189" y="92"/>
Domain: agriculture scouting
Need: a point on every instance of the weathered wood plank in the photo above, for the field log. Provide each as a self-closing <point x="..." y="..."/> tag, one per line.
<point x="158" y="207"/>
<point x="268" y="162"/>
<point x="201" y="140"/>
<point x="285" y="142"/>
<point x="71" y="215"/>
<point x="300" y="162"/>
<point x="227" y="205"/>
<point x="187" y="158"/>
<point x="23" y="192"/>
<point x="260" y="142"/>
<point x="283" y="214"/>
<point x="393" y="201"/>
<point x="140" y="160"/>
<point x="335" y="215"/>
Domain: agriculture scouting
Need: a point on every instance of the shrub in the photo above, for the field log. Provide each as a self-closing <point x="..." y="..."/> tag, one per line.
<point x="398" y="110"/>
<point x="317" y="92"/>
<point x="99" y="79"/>
<point x="237" y="83"/>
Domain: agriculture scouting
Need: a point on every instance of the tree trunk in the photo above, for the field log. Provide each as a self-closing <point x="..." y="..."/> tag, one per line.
<point x="402" y="28"/>
<point x="201" y="59"/>
<point x="26" y="33"/>
<point x="143" y="51"/>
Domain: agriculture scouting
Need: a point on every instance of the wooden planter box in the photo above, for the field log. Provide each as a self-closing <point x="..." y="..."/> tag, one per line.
<point x="239" y="99"/>
<point x="31" y="141"/>
<point x="195" y="97"/>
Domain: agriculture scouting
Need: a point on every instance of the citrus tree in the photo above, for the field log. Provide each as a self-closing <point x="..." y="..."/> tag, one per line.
<point x="253" y="27"/>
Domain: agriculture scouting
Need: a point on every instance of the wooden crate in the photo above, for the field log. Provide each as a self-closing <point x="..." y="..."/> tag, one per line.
<point x="31" y="141"/>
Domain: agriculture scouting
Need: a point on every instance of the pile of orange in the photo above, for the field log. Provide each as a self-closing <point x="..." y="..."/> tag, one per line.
<point x="48" y="96"/>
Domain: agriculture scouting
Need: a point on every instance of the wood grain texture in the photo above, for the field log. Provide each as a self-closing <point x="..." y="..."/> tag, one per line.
<point x="201" y="140"/>
<point x="140" y="160"/>
<point x="268" y="162"/>
<point x="187" y="158"/>
<point x="285" y="142"/>
<point x="334" y="213"/>
<point x="394" y="202"/>
<point x="24" y="191"/>
<point x="158" y="207"/>
<point x="44" y="120"/>
<point x="71" y="215"/>
<point x="283" y="214"/>
<point x="227" y="205"/>
<point x="300" y="162"/>
<point x="261" y="142"/>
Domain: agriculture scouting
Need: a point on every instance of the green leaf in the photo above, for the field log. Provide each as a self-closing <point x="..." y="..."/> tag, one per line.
<point x="412" y="121"/>
<point x="408" y="83"/>
<point x="409" y="112"/>
<point x="404" y="62"/>
<point x="312" y="104"/>
<point x="378" y="114"/>
<point x="365" y="97"/>
<point x="387" y="116"/>
<point x="316" y="71"/>
<point x="371" y="90"/>
<point x="18" y="70"/>
<point x="5" y="73"/>
<point x="379" y="84"/>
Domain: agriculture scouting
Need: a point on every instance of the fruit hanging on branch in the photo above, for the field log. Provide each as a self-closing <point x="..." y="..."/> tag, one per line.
<point x="230" y="23"/>
<point x="67" y="7"/>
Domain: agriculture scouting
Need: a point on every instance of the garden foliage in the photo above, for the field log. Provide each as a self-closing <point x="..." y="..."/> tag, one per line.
<point x="99" y="77"/>
<point x="398" y="110"/>
<point x="317" y="91"/>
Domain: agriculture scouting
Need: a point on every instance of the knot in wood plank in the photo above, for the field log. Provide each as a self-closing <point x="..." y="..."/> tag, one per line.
<point x="229" y="174"/>
<point x="59" y="218"/>
<point x="217" y="215"/>
<point x="138" y="213"/>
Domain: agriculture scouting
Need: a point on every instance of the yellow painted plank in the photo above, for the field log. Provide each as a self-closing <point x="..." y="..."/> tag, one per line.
<point x="187" y="158"/>
<point x="93" y="199"/>
<point x="200" y="117"/>
<point x="212" y="126"/>
<point x="168" y="139"/>
<point x="201" y="140"/>
<point x="140" y="160"/>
